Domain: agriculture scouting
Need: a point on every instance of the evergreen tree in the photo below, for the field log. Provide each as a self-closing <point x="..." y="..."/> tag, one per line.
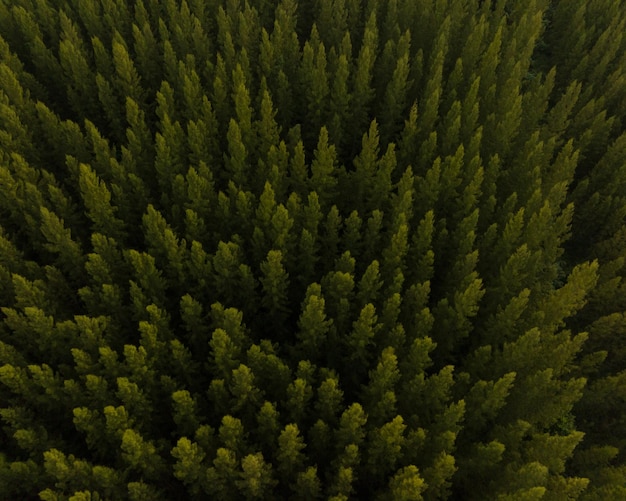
<point x="335" y="249"/>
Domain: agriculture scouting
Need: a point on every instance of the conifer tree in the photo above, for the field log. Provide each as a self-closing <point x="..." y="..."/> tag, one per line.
<point x="343" y="249"/>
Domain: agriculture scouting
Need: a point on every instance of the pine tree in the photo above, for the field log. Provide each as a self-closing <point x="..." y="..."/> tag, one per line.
<point x="335" y="249"/>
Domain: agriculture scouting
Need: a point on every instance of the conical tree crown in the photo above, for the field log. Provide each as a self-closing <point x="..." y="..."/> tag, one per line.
<point x="330" y="249"/>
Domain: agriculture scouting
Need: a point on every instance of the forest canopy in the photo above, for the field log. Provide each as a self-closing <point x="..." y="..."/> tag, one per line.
<point x="327" y="249"/>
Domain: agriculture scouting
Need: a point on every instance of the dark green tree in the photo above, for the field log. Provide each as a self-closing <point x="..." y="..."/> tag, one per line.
<point x="335" y="249"/>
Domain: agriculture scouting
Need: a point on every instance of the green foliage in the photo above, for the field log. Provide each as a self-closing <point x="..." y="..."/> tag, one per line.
<point x="335" y="249"/>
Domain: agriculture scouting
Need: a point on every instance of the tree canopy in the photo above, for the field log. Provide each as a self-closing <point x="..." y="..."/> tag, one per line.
<point x="327" y="249"/>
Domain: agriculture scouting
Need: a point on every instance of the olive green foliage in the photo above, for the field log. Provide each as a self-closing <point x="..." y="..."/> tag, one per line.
<point x="327" y="249"/>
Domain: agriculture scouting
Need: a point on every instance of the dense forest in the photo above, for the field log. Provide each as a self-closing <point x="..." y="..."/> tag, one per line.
<point x="327" y="249"/>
